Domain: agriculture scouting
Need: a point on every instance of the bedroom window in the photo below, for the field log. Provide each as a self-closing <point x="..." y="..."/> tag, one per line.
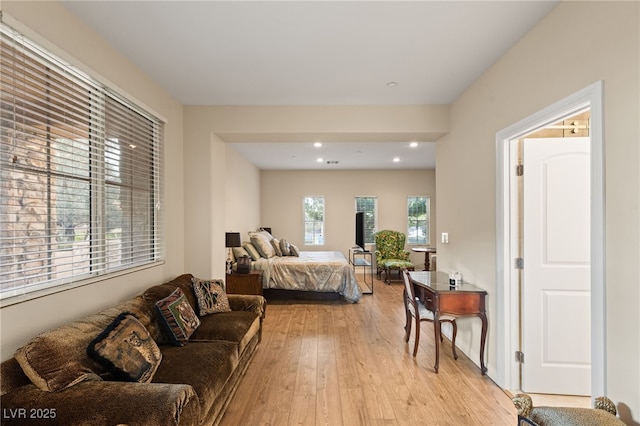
<point x="80" y="174"/>
<point x="313" y="221"/>
<point x="368" y="205"/>
<point x="417" y="220"/>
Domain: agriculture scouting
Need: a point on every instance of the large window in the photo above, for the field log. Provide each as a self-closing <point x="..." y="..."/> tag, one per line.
<point x="79" y="174"/>
<point x="313" y="221"/>
<point x="417" y="220"/>
<point x="369" y="206"/>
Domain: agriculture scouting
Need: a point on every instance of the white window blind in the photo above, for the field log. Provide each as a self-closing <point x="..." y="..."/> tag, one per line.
<point x="80" y="177"/>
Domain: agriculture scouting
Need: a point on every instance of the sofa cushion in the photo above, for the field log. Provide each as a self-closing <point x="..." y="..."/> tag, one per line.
<point x="57" y="359"/>
<point x="177" y="317"/>
<point x="238" y="327"/>
<point x="211" y="296"/>
<point x="204" y="366"/>
<point x="126" y="349"/>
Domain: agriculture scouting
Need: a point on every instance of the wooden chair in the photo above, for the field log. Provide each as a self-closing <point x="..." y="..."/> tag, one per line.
<point x="416" y="309"/>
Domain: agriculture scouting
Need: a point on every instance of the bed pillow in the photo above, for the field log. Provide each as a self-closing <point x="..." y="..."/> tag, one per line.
<point x="211" y="296"/>
<point x="238" y="252"/>
<point x="263" y="232"/>
<point x="177" y="317"/>
<point x="263" y="244"/>
<point x="294" y="250"/>
<point x="276" y="246"/>
<point x="285" y="247"/>
<point x="251" y="250"/>
<point x="126" y="350"/>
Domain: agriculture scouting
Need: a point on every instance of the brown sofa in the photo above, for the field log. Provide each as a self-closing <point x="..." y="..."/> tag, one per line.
<point x="192" y="384"/>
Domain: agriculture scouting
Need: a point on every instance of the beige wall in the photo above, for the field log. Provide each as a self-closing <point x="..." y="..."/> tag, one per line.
<point x="283" y="192"/>
<point x="51" y="25"/>
<point x="577" y="44"/>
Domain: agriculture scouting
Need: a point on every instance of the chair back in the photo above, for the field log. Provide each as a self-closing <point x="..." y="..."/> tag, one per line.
<point x="410" y="296"/>
<point x="390" y="244"/>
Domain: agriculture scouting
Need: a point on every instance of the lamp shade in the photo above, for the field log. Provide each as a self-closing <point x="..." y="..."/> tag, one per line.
<point x="232" y="239"/>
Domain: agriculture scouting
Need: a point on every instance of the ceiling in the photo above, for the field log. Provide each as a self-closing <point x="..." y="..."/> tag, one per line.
<point x="315" y="53"/>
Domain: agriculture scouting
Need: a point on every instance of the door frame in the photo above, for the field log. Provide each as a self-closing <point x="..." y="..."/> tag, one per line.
<point x="508" y="310"/>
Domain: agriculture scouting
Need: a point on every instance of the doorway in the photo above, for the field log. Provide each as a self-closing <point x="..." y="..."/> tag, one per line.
<point x="509" y="271"/>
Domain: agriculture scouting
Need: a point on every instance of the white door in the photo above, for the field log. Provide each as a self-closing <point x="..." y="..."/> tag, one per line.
<point x="556" y="277"/>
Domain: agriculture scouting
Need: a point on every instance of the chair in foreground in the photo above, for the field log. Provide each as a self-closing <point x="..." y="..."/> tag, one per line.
<point x="391" y="254"/>
<point x="416" y="309"/>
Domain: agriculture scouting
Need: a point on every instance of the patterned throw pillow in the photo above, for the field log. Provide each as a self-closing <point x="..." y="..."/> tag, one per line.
<point x="285" y="247"/>
<point x="126" y="350"/>
<point x="211" y="296"/>
<point x="177" y="317"/>
<point x="276" y="246"/>
<point x="294" y="250"/>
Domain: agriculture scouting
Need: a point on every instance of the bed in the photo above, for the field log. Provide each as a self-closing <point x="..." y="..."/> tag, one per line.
<point x="317" y="271"/>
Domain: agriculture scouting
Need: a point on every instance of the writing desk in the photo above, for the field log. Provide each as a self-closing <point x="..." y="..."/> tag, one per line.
<point x="462" y="300"/>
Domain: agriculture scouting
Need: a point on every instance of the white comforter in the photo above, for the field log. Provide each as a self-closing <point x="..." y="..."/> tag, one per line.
<point x="322" y="271"/>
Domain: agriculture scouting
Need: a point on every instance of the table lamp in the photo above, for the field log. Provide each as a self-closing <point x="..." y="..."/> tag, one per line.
<point x="232" y="239"/>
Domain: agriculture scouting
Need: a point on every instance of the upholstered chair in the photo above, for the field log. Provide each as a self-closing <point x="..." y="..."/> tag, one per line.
<point x="391" y="254"/>
<point x="603" y="413"/>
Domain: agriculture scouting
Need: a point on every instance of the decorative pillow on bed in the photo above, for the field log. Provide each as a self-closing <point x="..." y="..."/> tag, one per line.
<point x="263" y="232"/>
<point x="263" y="244"/>
<point x="211" y="296"/>
<point x="127" y="350"/>
<point x="276" y="246"/>
<point x="251" y="250"/>
<point x="285" y="247"/>
<point x="294" y="250"/>
<point x="177" y="317"/>
<point x="238" y="252"/>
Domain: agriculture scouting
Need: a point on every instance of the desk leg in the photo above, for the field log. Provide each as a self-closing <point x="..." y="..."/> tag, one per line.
<point x="483" y="338"/>
<point x="437" y="331"/>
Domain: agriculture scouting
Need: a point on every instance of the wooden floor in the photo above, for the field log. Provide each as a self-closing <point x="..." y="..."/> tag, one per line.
<point x="335" y="363"/>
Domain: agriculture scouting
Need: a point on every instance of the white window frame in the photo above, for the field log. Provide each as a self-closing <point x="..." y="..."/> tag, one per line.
<point x="369" y="237"/>
<point x="413" y="224"/>
<point x="315" y="238"/>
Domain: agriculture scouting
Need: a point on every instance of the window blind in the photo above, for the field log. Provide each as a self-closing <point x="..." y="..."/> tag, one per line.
<point x="80" y="177"/>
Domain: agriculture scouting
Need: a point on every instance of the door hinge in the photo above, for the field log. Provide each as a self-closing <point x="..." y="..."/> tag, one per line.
<point x="520" y="170"/>
<point x="519" y="263"/>
<point x="520" y="357"/>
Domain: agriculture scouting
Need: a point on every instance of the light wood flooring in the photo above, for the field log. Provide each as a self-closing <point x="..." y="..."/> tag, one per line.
<point x="329" y="362"/>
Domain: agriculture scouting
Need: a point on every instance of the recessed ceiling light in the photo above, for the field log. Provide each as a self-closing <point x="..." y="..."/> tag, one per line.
<point x="319" y="160"/>
<point x="413" y="144"/>
<point x="396" y="159"/>
<point x="317" y="144"/>
<point x="392" y="84"/>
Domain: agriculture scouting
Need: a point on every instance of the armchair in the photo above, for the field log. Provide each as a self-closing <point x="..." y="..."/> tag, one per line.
<point x="391" y="255"/>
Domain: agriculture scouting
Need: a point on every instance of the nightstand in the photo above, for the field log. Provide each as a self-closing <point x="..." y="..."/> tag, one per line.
<point x="250" y="283"/>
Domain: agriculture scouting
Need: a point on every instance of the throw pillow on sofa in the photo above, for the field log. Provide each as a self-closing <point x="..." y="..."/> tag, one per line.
<point x="127" y="350"/>
<point x="177" y="317"/>
<point x="211" y="296"/>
